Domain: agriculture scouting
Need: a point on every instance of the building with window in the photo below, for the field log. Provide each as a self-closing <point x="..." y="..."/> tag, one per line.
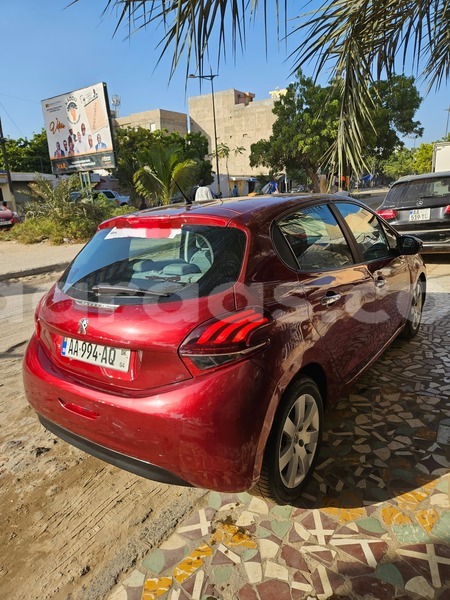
<point x="240" y="122"/>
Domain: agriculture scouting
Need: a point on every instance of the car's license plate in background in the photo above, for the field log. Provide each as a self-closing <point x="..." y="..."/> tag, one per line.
<point x="419" y="214"/>
<point x="94" y="354"/>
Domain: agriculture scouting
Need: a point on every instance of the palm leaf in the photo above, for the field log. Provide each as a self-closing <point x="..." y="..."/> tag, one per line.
<point x="353" y="42"/>
<point x="165" y="173"/>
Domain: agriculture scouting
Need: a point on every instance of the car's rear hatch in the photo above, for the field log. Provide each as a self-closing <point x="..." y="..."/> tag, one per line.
<point x="419" y="204"/>
<point x="121" y="310"/>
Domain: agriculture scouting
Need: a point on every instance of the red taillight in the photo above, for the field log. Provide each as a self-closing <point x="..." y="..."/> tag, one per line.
<point x="233" y="328"/>
<point x="226" y="338"/>
<point x="447" y="210"/>
<point x="388" y="214"/>
<point x="37" y="321"/>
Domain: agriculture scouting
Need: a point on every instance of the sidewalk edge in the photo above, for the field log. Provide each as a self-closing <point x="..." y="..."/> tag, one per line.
<point x="34" y="271"/>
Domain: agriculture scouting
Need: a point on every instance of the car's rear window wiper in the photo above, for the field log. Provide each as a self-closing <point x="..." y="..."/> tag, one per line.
<point x="120" y="289"/>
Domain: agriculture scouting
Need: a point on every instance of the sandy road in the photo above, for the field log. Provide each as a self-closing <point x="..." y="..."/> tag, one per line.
<point x="69" y="523"/>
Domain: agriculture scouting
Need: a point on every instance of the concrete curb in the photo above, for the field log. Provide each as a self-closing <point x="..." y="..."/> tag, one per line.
<point x="34" y="271"/>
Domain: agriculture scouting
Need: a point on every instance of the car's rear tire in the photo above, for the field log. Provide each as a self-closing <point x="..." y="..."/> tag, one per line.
<point x="414" y="319"/>
<point x="294" y="443"/>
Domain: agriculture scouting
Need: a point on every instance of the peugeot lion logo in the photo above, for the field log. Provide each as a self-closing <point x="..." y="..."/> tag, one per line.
<point x="419" y="202"/>
<point x="82" y="326"/>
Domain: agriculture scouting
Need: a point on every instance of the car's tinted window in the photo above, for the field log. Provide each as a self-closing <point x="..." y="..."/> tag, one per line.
<point x="407" y="193"/>
<point x="367" y="230"/>
<point x="135" y="265"/>
<point x="316" y="239"/>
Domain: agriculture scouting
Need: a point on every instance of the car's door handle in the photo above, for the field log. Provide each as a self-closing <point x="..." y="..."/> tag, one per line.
<point x="331" y="299"/>
<point x="380" y="282"/>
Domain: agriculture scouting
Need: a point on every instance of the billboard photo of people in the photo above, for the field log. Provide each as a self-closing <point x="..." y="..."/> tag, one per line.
<point x="79" y="131"/>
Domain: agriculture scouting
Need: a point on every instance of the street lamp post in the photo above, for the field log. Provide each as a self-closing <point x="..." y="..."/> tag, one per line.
<point x="446" y="127"/>
<point x="211" y="79"/>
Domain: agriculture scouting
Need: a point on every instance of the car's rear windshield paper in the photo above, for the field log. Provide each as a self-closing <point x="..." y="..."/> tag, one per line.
<point x="142" y="232"/>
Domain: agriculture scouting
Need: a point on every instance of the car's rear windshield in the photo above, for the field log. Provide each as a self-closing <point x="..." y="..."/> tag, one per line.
<point x="407" y="193"/>
<point x="129" y="265"/>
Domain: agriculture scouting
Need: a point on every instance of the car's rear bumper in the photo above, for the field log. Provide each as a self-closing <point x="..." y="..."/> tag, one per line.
<point x="204" y="431"/>
<point x="138" y="467"/>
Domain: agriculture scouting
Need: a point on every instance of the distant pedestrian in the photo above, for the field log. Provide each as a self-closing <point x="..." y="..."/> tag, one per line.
<point x="203" y="192"/>
<point x="234" y="191"/>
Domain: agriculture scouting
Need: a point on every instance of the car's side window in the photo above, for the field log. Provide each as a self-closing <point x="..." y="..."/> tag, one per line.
<point x="316" y="239"/>
<point x="367" y="230"/>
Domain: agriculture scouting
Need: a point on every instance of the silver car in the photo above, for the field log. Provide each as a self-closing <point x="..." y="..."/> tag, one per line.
<point x="420" y="205"/>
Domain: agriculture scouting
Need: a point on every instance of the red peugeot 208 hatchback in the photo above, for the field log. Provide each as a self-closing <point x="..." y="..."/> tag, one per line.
<point x="198" y="344"/>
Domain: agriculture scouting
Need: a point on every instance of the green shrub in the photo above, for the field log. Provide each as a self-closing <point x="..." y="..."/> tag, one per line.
<point x="52" y="215"/>
<point x="36" y="230"/>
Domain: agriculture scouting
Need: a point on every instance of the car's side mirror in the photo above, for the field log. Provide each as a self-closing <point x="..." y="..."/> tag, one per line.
<point x="409" y="244"/>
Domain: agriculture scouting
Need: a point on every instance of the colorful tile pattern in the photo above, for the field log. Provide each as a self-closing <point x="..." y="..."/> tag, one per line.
<point x="374" y="522"/>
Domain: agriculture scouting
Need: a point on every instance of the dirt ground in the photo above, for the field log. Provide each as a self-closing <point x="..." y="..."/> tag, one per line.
<point x="69" y="523"/>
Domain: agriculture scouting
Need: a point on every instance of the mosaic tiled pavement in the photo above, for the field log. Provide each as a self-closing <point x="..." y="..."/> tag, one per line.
<point x="373" y="523"/>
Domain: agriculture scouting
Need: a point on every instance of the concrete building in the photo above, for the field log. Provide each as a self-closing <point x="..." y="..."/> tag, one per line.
<point x="20" y="182"/>
<point x="240" y="122"/>
<point x="156" y="119"/>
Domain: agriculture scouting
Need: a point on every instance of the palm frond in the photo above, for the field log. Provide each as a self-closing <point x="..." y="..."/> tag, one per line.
<point x="352" y="42"/>
<point x="358" y="42"/>
<point x="165" y="173"/>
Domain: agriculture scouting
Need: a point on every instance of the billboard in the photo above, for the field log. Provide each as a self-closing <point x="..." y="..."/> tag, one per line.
<point x="78" y="127"/>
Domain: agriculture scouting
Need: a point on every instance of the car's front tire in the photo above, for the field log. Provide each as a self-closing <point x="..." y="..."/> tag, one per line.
<point x="294" y="443"/>
<point x="414" y="319"/>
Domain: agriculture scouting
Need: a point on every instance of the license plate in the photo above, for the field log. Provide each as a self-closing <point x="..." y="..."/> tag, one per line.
<point x="419" y="214"/>
<point x="94" y="354"/>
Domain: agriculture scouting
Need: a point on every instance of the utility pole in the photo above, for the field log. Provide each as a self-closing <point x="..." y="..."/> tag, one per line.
<point x="446" y="127"/>
<point x="8" y="172"/>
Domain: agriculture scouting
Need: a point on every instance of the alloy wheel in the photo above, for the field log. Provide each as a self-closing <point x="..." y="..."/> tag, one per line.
<point x="299" y="440"/>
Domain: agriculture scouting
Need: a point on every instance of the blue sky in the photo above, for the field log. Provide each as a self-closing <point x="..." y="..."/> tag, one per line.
<point x="48" y="49"/>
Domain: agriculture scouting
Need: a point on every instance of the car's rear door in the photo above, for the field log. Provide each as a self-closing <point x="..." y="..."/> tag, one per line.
<point x="339" y="291"/>
<point x="390" y="271"/>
